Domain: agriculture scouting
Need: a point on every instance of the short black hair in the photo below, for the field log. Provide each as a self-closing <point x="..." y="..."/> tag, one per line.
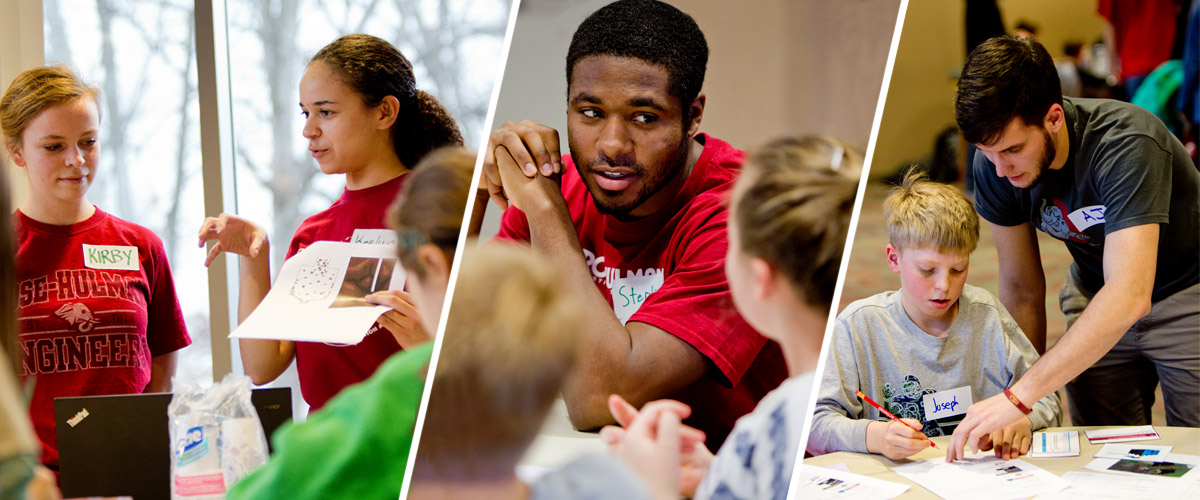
<point x="1004" y="78"/>
<point x="649" y="30"/>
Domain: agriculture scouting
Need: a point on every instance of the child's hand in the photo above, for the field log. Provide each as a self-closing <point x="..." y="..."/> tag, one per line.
<point x="1013" y="440"/>
<point x="650" y="446"/>
<point x="894" y="439"/>
<point x="694" y="457"/>
<point x="403" y="321"/>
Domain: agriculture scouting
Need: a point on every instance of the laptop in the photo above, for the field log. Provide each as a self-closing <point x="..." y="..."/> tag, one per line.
<point x="122" y="447"/>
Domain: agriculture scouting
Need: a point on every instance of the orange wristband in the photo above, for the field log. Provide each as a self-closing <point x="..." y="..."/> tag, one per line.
<point x="1013" y="398"/>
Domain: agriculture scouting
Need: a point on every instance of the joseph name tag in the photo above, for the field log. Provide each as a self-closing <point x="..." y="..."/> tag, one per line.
<point x="948" y="403"/>
<point x="110" y="257"/>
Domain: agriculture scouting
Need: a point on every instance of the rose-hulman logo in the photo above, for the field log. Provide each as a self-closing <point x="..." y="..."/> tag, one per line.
<point x="78" y="315"/>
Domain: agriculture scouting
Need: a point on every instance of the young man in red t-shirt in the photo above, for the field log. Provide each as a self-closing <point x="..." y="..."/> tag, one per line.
<point x="642" y="198"/>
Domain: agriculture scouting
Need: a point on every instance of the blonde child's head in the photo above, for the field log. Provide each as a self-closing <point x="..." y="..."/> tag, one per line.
<point x="925" y="214"/>
<point x="509" y="343"/>
<point x="933" y="229"/>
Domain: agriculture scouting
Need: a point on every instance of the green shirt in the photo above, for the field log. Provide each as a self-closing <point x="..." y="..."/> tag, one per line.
<point x="355" y="447"/>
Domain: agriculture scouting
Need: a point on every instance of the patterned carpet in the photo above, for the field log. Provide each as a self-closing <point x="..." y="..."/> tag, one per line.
<point x="868" y="273"/>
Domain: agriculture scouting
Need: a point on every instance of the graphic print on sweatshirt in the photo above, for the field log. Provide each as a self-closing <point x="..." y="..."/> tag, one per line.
<point x="907" y="402"/>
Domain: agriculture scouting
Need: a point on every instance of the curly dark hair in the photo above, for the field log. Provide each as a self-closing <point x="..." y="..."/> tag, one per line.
<point x="375" y="69"/>
<point x="649" y="30"/>
<point x="1004" y="78"/>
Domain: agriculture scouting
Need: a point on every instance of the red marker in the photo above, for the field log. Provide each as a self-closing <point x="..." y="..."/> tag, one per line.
<point x="891" y="416"/>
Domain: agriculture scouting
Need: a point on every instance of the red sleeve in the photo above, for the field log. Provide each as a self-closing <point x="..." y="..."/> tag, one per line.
<point x="1105" y="9"/>
<point x="694" y="303"/>
<point x="166" y="331"/>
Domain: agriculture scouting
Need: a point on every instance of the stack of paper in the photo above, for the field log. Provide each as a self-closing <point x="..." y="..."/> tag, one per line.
<point x="1054" y="444"/>
<point x="1122" y="434"/>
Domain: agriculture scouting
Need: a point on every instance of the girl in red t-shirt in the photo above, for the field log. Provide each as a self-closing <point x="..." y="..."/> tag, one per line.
<point x="96" y="303"/>
<point x="364" y="118"/>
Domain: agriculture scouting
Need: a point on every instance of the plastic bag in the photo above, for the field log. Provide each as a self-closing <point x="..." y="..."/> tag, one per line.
<point x="216" y="438"/>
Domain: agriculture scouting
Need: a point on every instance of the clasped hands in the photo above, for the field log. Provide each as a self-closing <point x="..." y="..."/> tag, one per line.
<point x="669" y="457"/>
<point x="515" y="155"/>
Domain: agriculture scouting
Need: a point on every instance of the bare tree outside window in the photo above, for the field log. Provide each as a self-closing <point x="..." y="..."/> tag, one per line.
<point x="141" y="54"/>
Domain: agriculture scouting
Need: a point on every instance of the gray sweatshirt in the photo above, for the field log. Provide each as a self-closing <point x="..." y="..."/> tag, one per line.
<point x="879" y="350"/>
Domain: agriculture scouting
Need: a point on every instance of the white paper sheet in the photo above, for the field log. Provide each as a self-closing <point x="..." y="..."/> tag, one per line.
<point x="1054" y="444"/>
<point x="1093" y="486"/>
<point x="318" y="296"/>
<point x="1133" y="452"/>
<point x="812" y="482"/>
<point x="981" y="478"/>
<point x="839" y="466"/>
<point x="1122" y="434"/>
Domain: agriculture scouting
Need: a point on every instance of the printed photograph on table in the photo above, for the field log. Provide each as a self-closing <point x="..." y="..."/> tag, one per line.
<point x="1025" y="270"/>
<point x="688" y="183"/>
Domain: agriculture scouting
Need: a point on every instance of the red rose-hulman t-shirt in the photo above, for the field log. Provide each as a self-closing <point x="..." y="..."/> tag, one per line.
<point x="326" y="369"/>
<point x="95" y="303"/>
<point x="668" y="270"/>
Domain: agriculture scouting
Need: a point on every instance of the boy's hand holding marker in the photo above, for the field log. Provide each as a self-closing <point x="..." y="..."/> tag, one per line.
<point x="900" y="438"/>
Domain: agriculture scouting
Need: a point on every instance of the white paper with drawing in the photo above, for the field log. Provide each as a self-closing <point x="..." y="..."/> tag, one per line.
<point x="981" y="478"/>
<point x="318" y="296"/>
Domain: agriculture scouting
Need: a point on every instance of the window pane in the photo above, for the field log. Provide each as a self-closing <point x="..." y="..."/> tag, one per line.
<point x="141" y="54"/>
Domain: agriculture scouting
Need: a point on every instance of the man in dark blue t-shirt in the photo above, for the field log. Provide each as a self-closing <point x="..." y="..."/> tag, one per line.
<point x="1120" y="191"/>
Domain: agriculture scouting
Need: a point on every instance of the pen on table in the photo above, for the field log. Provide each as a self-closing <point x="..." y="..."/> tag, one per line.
<point x="891" y="416"/>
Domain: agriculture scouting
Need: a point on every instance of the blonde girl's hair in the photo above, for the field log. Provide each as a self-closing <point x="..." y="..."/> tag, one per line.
<point x="430" y="208"/>
<point x="793" y="210"/>
<point x="34" y="90"/>
<point x="509" y="343"/>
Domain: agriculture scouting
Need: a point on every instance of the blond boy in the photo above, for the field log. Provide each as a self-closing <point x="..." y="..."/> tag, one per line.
<point x="929" y="350"/>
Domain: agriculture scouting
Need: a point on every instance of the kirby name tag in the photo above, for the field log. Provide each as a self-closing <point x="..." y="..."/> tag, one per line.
<point x="949" y="403"/>
<point x="374" y="237"/>
<point x="110" y="257"/>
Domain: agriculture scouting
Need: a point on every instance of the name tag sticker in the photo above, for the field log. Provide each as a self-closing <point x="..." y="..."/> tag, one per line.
<point x="630" y="292"/>
<point x="110" y="257"/>
<point x="374" y="237"/>
<point x="949" y="403"/>
<point x="1087" y="217"/>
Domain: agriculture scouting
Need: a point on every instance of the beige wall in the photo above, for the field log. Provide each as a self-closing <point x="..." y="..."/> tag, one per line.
<point x="920" y="100"/>
<point x="776" y="67"/>
<point x="20" y="48"/>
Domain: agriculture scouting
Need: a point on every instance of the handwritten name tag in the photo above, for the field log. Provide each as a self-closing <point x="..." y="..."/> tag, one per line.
<point x="374" y="236"/>
<point x="949" y="403"/>
<point x="630" y="292"/>
<point x="1087" y="217"/>
<point x="110" y="257"/>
